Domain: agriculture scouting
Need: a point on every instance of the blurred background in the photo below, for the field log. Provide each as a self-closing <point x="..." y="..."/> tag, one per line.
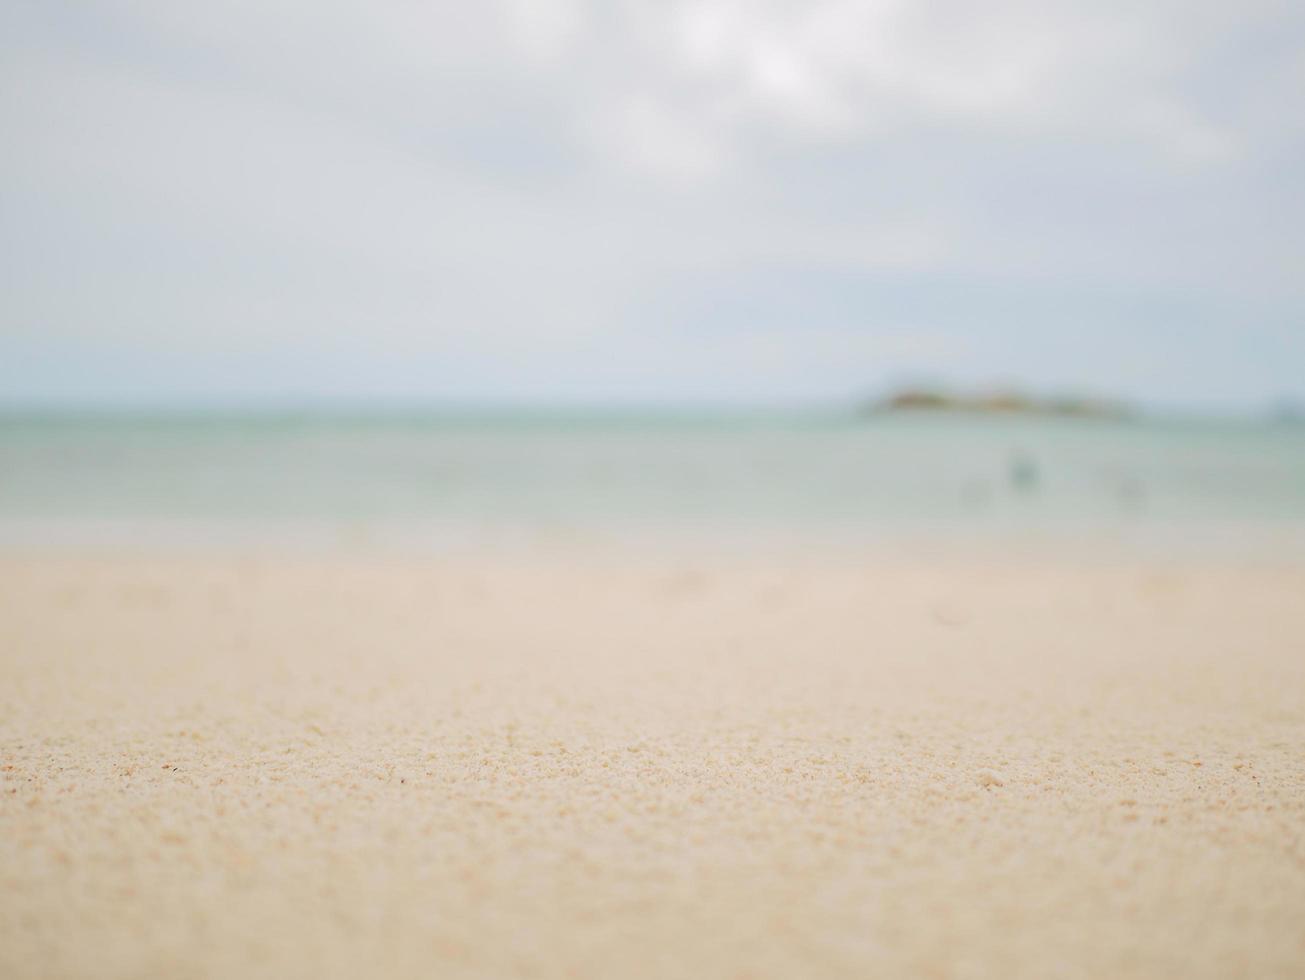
<point x="461" y="275"/>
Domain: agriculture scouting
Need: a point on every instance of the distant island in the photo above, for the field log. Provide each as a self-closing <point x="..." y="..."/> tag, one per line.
<point x="998" y="402"/>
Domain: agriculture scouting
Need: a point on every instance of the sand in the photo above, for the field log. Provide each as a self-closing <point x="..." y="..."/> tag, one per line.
<point x="349" y="767"/>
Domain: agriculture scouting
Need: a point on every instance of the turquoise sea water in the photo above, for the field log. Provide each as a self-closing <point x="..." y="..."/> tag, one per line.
<point x="484" y="480"/>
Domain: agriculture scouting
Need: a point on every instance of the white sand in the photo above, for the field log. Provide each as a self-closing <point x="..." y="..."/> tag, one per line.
<point x="223" y="768"/>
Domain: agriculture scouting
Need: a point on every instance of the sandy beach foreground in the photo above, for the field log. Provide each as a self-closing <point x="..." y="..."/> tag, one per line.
<point x="220" y="767"/>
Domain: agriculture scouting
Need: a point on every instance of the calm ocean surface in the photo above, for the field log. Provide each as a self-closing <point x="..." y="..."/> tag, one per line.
<point x="501" y="480"/>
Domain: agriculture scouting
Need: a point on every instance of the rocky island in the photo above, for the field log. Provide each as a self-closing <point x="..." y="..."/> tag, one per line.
<point x="997" y="402"/>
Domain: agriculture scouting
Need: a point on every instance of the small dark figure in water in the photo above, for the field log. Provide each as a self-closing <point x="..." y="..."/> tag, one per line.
<point x="1022" y="470"/>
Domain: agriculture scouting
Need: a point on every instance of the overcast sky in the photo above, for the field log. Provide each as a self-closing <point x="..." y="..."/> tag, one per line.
<point x="289" y="201"/>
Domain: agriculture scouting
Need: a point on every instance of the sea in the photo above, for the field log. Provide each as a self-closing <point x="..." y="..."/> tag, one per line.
<point x="485" y="481"/>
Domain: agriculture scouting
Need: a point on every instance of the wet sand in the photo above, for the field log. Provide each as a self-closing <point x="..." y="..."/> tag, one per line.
<point x="220" y="767"/>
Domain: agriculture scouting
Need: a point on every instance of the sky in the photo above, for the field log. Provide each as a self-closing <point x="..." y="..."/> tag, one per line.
<point x="716" y="202"/>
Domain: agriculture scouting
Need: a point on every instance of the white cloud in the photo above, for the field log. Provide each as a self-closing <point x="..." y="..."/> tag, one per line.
<point x="546" y="30"/>
<point x="649" y="136"/>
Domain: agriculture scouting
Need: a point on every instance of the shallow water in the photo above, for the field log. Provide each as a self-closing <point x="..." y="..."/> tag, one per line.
<point x="478" y="480"/>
